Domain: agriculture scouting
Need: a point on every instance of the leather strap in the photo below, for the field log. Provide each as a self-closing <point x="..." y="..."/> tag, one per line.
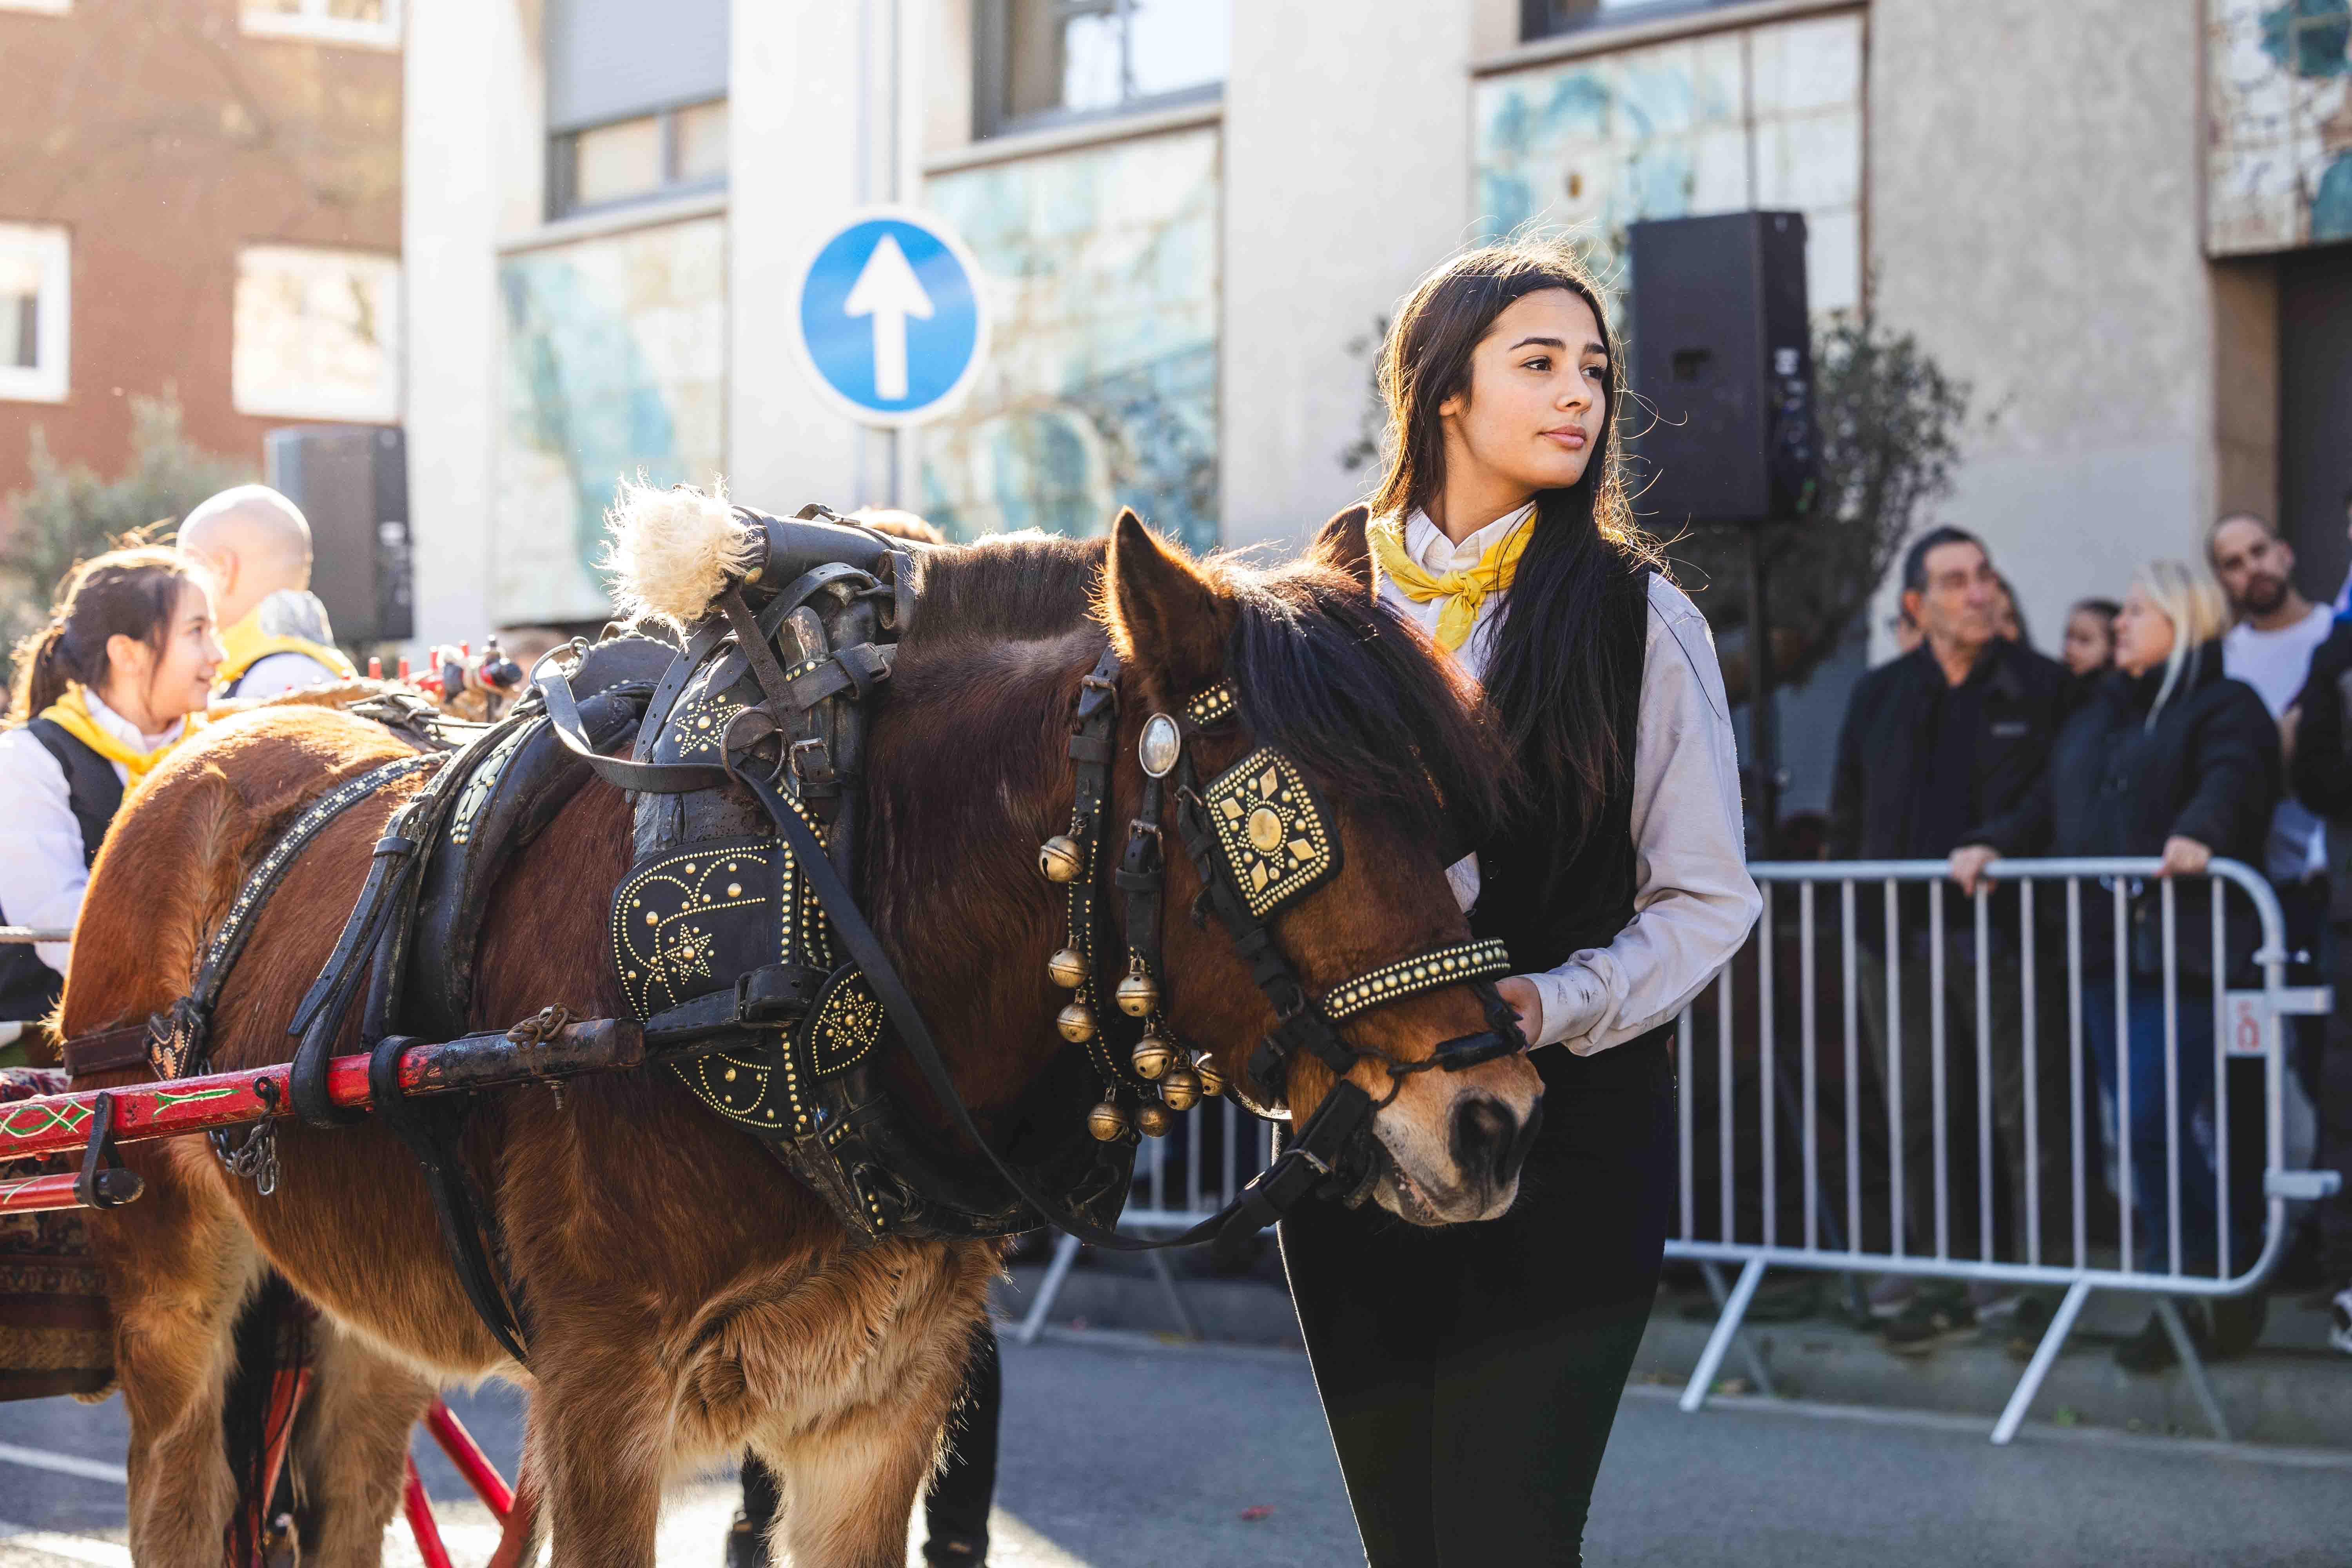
<point x="432" y="1132"/>
<point x="111" y="1051"/>
<point x="646" y="778"/>
<point x="1304" y="1165"/>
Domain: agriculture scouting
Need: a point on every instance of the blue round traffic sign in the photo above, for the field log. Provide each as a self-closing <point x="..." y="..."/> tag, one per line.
<point x="890" y="318"/>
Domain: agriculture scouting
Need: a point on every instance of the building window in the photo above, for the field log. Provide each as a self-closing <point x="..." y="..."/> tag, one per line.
<point x="35" y="313"/>
<point x="1549" y="18"/>
<point x="1050" y="62"/>
<point x="316" y="334"/>
<point x="669" y="152"/>
<point x="375" y="22"/>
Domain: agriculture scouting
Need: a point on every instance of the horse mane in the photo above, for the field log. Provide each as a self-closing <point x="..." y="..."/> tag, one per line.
<point x="1326" y="672"/>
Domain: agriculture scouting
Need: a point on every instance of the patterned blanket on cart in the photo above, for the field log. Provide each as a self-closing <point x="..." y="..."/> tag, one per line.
<point x="57" y="1334"/>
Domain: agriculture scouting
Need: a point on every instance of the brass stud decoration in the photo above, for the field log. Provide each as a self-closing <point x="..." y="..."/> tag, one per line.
<point x="1060" y="859"/>
<point x="1271" y="824"/>
<point x="1211" y="707"/>
<point x="1407" y="976"/>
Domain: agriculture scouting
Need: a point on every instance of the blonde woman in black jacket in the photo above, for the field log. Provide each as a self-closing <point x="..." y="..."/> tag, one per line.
<point x="2167" y="758"/>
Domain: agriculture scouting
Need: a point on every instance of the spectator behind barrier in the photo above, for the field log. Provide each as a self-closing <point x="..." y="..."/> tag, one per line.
<point x="2167" y="758"/>
<point x="1934" y="742"/>
<point x="2089" y="649"/>
<point x="2322" y="778"/>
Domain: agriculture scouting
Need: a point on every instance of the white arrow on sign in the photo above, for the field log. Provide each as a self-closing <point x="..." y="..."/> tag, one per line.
<point x="888" y="290"/>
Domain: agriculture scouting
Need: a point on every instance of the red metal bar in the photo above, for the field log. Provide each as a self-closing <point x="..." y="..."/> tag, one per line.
<point x="471" y="1462"/>
<point x="36" y="1195"/>
<point x="419" y="1508"/>
<point x="59" y="1123"/>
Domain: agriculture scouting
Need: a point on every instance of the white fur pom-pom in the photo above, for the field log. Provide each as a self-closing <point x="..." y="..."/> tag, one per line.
<point x="673" y="550"/>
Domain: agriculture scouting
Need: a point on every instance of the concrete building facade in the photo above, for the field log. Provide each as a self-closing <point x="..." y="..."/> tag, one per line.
<point x="1193" y="215"/>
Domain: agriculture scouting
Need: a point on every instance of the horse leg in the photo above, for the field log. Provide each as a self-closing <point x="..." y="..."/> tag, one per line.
<point x="180" y="1267"/>
<point x="851" y="1485"/>
<point x="599" y="1446"/>
<point x="351" y="1444"/>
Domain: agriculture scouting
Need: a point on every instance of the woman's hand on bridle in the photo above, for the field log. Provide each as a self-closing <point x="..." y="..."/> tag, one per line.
<point x="1526" y="1001"/>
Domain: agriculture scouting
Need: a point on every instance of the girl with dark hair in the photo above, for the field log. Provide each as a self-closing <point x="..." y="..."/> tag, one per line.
<point x="1471" y="1375"/>
<point x="118" y="675"/>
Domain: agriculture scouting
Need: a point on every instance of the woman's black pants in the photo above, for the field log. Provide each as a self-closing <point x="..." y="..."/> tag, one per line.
<point x="955" y="1508"/>
<point x="1470" y="1374"/>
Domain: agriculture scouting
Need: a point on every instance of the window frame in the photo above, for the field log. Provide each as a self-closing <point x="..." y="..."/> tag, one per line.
<point x="384" y="407"/>
<point x="990" y="117"/>
<point x="1534" y="30"/>
<point x="563" y="164"/>
<point x="49" y="379"/>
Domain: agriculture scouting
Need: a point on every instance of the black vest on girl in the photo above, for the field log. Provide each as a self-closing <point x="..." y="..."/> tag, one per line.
<point x="29" y="988"/>
<point x="1543" y="911"/>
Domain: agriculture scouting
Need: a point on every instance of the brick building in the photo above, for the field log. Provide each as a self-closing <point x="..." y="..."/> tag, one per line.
<point x="198" y="196"/>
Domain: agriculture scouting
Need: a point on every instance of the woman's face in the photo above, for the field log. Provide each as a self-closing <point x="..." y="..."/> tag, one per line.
<point x="2089" y="641"/>
<point x="2144" y="635"/>
<point x="179" y="679"/>
<point x="1537" y="397"/>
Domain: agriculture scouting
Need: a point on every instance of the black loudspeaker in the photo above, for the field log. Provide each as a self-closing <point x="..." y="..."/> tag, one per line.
<point x="352" y="482"/>
<point x="1723" y="352"/>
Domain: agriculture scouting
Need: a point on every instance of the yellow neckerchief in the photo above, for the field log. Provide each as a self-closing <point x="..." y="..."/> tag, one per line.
<point x="1464" y="590"/>
<point x="71" y="714"/>
<point x="247" y="645"/>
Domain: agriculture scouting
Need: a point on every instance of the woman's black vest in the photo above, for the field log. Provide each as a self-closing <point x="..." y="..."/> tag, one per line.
<point x="29" y="988"/>
<point x="1545" y="910"/>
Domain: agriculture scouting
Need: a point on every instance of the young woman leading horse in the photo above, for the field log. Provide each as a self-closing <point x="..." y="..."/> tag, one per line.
<point x="686" y="1298"/>
<point x="1471" y="1376"/>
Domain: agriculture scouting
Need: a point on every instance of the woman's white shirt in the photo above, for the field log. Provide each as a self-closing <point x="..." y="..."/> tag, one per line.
<point x="1694" y="901"/>
<point x="42" y="872"/>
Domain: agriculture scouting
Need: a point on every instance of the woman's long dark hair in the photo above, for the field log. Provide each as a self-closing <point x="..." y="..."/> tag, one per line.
<point x="134" y="591"/>
<point x="1553" y="671"/>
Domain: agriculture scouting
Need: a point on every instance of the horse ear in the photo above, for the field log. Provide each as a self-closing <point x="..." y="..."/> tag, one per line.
<point x="1340" y="545"/>
<point x="1164" y="613"/>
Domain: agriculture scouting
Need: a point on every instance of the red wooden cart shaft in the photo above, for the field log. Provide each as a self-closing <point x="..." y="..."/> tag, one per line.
<point x="59" y="1123"/>
<point x="37" y="1195"/>
<point x="421" y="1523"/>
<point x="471" y="1462"/>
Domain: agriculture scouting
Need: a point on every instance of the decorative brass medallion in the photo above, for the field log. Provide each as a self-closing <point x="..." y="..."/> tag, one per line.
<point x="1159" y="746"/>
<point x="846" y="1026"/>
<point x="1273" y="829"/>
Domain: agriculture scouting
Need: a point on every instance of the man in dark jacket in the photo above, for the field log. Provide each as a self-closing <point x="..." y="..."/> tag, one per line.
<point x="2322" y="775"/>
<point x="1935" y="741"/>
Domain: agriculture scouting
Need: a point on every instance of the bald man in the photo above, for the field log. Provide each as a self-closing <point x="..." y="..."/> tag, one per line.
<point x="256" y="545"/>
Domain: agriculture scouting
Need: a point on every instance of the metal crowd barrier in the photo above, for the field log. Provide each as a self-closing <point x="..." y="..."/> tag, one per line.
<point x="1867" y="900"/>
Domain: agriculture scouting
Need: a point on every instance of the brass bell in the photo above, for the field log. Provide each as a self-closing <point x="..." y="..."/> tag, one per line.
<point x="1077" y="1022"/>
<point x="1067" y="968"/>
<point x="1180" y="1089"/>
<point x="1059" y="859"/>
<point x="1153" y="1120"/>
<point x="1153" y="1056"/>
<point x="1106" y="1121"/>
<point x="1211" y="1076"/>
<point x="1138" y="994"/>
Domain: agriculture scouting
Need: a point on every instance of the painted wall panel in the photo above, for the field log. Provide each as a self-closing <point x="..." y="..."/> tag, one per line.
<point x="1100" y="388"/>
<point x="2278" y="111"/>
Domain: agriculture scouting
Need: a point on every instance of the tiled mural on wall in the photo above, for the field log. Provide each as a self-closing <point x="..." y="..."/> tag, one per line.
<point x="616" y="363"/>
<point x="1767" y="116"/>
<point x="1100" y="388"/>
<point x="2278" y="121"/>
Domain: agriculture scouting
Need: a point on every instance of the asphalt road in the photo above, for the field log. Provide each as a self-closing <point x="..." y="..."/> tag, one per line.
<point x="1118" y="1455"/>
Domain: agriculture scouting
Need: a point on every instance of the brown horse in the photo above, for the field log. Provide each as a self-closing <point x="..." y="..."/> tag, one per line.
<point x="685" y="1299"/>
